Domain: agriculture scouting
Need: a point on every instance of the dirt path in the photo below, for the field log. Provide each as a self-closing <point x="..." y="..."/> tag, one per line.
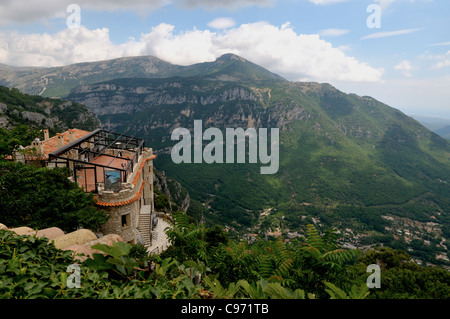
<point x="160" y="242"/>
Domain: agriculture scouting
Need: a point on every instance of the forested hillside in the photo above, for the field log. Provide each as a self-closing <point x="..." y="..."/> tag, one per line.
<point x="345" y="160"/>
<point x="205" y="264"/>
<point x="38" y="112"/>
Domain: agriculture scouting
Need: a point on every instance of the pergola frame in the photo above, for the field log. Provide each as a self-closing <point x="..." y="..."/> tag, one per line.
<point x="98" y="142"/>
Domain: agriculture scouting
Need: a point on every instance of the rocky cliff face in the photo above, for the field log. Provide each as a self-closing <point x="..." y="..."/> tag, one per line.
<point x="57" y="115"/>
<point x="110" y="98"/>
<point x="149" y="107"/>
<point x="178" y="197"/>
<point x="345" y="159"/>
<point x="58" y="81"/>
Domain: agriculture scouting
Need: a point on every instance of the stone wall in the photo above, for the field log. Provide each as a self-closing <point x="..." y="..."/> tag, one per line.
<point x="114" y="224"/>
<point x="137" y="191"/>
<point x="79" y="241"/>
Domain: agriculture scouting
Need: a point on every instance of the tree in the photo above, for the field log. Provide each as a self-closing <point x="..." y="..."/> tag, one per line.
<point x="41" y="198"/>
<point x="386" y="257"/>
<point x="355" y="292"/>
<point x="215" y="236"/>
<point x="324" y="252"/>
<point x="187" y="239"/>
<point x="401" y="278"/>
<point x="10" y="140"/>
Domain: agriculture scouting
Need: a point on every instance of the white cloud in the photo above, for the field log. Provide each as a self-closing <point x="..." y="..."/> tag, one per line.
<point x="405" y="67"/>
<point x="439" y="44"/>
<point x="428" y="95"/>
<point x="222" y="23"/>
<point x="185" y="48"/>
<point x="441" y="64"/>
<point x="325" y="2"/>
<point x="67" y="46"/>
<point x="333" y="32"/>
<point x="212" y="4"/>
<point x="280" y="49"/>
<point x="30" y="11"/>
<point x="388" y="34"/>
<point x="384" y="4"/>
<point x="296" y="56"/>
<point x="438" y="61"/>
<point x="444" y="61"/>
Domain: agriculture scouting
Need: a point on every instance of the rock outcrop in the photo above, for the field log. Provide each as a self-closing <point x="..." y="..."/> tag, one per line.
<point x="79" y="241"/>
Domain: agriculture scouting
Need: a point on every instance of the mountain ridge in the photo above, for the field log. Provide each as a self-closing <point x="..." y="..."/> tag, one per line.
<point x="58" y="81"/>
<point x="38" y="112"/>
<point x="346" y="161"/>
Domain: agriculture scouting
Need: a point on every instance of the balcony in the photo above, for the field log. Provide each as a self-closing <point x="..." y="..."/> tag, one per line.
<point x="100" y="157"/>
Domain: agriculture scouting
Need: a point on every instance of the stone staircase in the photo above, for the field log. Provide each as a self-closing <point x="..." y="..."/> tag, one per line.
<point x="145" y="224"/>
<point x="160" y="241"/>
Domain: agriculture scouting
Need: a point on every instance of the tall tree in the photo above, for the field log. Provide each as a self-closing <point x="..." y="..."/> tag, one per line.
<point x="10" y="140"/>
<point x="41" y="197"/>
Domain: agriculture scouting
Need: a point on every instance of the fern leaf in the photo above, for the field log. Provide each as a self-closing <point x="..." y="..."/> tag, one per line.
<point x="313" y="237"/>
<point x="335" y="292"/>
<point x="359" y="292"/>
<point x="284" y="268"/>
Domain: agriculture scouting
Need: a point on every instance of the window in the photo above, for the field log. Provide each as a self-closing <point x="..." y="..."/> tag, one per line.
<point x="126" y="220"/>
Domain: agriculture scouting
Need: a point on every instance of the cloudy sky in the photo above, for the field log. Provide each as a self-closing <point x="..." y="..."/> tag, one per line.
<point x="397" y="51"/>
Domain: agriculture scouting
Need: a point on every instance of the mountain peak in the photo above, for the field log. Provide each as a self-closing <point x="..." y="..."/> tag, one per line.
<point x="52" y="81"/>
<point x="230" y="57"/>
<point x="232" y="67"/>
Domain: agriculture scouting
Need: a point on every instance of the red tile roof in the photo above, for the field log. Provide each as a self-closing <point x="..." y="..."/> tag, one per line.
<point x="51" y="144"/>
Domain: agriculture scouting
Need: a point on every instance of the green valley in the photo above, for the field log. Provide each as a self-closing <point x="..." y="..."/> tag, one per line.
<point x="346" y="161"/>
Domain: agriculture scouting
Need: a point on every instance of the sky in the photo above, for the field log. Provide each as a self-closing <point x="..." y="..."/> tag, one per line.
<point x="397" y="51"/>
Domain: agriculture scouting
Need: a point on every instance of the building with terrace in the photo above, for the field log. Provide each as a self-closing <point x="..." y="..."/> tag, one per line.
<point x="117" y="168"/>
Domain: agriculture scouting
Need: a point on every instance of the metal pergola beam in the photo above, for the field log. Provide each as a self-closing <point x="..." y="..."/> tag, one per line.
<point x="69" y="146"/>
<point x="130" y="140"/>
<point x="97" y="143"/>
<point x="106" y="140"/>
<point x="138" y="139"/>
<point x="98" y="134"/>
<point x="86" y="163"/>
<point x="135" y="154"/>
<point x="95" y="152"/>
<point x="107" y="147"/>
<point x="121" y="149"/>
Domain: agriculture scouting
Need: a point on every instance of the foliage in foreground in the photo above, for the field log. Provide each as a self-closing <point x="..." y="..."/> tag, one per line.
<point x="10" y="140"/>
<point x="41" y="198"/>
<point x="32" y="267"/>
